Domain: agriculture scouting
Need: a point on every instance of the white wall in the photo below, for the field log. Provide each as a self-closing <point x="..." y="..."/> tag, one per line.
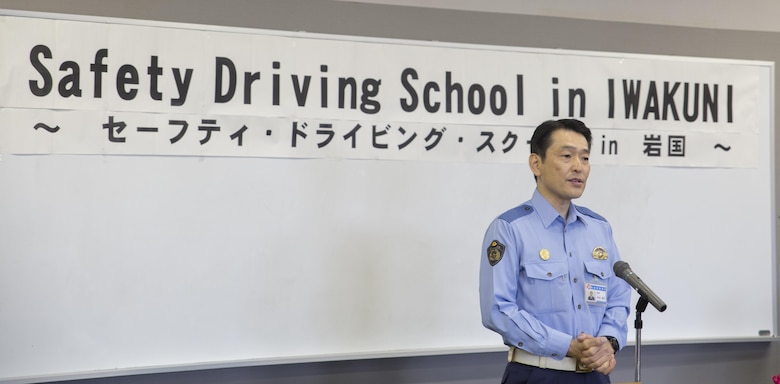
<point x="745" y="15"/>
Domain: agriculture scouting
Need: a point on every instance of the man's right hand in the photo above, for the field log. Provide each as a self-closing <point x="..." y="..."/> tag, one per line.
<point x="594" y="352"/>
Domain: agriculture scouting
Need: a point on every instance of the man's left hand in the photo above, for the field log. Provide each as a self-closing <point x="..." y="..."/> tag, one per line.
<point x="597" y="353"/>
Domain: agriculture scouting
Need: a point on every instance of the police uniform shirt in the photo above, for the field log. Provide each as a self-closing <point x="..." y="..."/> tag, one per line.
<point x="543" y="281"/>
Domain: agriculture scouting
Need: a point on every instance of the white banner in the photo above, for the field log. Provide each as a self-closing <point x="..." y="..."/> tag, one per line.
<point x="78" y="87"/>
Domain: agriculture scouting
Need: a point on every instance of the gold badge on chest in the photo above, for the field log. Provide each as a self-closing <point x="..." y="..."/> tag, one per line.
<point x="544" y="254"/>
<point x="599" y="253"/>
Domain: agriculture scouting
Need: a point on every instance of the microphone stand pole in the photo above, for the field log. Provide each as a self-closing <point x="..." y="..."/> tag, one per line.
<point x="641" y="305"/>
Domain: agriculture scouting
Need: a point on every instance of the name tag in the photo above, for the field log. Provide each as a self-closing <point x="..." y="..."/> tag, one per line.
<point x="596" y="294"/>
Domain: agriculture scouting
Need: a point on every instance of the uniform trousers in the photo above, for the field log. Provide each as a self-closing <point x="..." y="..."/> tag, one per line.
<point x="516" y="373"/>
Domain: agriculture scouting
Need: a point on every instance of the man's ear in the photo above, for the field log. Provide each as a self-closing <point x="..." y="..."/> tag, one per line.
<point x="535" y="163"/>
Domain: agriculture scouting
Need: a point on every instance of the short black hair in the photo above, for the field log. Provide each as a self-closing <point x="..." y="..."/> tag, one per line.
<point x="542" y="137"/>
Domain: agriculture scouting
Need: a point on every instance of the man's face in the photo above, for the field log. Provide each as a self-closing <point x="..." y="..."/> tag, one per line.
<point x="564" y="172"/>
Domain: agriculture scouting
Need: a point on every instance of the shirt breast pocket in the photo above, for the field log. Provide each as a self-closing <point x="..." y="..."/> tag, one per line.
<point x="546" y="289"/>
<point x="599" y="270"/>
<point x="596" y="285"/>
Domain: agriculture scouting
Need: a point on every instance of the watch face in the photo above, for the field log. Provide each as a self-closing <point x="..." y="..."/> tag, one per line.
<point x="614" y="342"/>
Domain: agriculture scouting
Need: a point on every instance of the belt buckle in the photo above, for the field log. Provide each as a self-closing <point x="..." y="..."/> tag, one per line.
<point x="582" y="368"/>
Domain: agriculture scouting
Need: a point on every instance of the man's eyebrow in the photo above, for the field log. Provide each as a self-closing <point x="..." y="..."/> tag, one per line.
<point x="573" y="148"/>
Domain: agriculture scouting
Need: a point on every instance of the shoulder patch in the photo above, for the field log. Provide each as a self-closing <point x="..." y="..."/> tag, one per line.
<point x="516" y="213"/>
<point x="495" y="252"/>
<point x="589" y="213"/>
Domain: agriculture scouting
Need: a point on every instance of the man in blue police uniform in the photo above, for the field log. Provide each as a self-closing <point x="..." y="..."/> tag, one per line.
<point x="546" y="280"/>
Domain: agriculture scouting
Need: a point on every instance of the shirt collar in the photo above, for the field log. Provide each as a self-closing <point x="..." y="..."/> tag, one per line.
<point x="548" y="214"/>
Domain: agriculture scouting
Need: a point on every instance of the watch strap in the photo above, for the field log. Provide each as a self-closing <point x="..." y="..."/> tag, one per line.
<point x="615" y="344"/>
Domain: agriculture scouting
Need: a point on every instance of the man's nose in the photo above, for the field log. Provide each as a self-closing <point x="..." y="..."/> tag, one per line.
<point x="578" y="164"/>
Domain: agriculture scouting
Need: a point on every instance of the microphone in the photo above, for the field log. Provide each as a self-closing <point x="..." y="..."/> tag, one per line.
<point x="623" y="271"/>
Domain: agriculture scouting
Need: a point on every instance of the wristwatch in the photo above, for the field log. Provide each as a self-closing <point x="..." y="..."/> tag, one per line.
<point x="615" y="344"/>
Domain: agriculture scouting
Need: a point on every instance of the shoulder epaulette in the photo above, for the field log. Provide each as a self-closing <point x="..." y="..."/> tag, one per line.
<point x="589" y="213"/>
<point x="516" y="213"/>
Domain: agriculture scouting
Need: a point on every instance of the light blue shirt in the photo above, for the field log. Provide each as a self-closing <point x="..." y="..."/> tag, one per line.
<point x="534" y="293"/>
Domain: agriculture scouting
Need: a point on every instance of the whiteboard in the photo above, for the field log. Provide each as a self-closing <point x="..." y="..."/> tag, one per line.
<point x="120" y="263"/>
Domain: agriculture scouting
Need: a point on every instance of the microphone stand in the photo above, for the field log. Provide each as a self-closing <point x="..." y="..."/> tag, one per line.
<point x="641" y="305"/>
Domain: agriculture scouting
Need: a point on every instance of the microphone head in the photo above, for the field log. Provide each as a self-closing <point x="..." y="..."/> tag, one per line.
<point x="621" y="268"/>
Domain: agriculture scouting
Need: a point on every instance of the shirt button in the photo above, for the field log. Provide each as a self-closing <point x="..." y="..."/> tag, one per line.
<point x="554" y="354"/>
<point x="579" y="306"/>
<point x="520" y="344"/>
<point x="549" y="274"/>
<point x="575" y="279"/>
